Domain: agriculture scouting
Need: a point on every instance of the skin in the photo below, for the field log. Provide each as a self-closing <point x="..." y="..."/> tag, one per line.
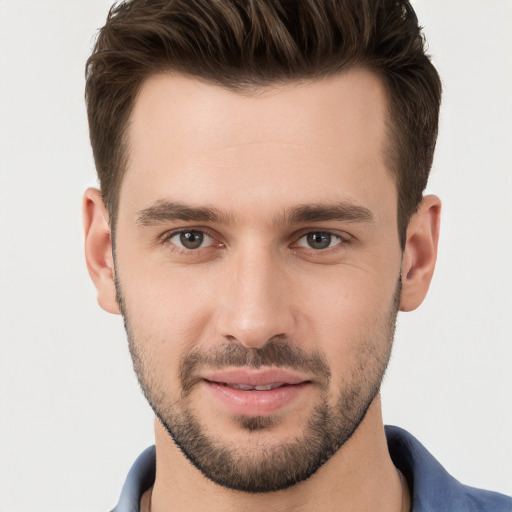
<point x="254" y="158"/>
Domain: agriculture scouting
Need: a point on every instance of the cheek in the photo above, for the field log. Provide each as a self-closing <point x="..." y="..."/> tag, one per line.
<point x="348" y="297"/>
<point x="348" y="316"/>
<point x="165" y="298"/>
<point x="167" y="315"/>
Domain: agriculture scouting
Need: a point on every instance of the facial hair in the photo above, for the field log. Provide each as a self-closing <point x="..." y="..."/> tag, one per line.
<point x="267" y="467"/>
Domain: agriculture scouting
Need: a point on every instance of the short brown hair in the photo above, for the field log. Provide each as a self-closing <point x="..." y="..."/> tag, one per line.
<point x="245" y="44"/>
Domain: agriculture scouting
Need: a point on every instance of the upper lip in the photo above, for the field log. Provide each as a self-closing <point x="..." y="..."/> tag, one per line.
<point x="255" y="377"/>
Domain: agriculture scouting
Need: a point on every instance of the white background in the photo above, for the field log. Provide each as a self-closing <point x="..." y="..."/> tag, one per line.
<point x="72" y="419"/>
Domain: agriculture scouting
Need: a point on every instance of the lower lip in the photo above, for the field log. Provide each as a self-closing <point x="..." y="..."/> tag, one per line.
<point x="255" y="403"/>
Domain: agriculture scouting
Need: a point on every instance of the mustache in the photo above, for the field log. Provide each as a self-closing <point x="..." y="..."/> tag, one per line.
<point x="277" y="352"/>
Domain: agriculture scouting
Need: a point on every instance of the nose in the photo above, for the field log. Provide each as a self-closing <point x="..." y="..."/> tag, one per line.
<point x="256" y="301"/>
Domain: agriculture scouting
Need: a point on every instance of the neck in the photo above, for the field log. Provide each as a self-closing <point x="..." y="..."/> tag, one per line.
<point x="359" y="477"/>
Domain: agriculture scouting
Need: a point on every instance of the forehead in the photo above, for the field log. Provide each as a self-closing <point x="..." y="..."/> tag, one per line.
<point x="285" y="144"/>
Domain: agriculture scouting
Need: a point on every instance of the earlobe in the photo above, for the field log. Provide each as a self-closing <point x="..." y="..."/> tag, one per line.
<point x="420" y="253"/>
<point x="98" y="249"/>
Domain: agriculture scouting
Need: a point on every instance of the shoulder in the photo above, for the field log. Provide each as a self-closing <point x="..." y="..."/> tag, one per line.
<point x="140" y="478"/>
<point x="433" y="489"/>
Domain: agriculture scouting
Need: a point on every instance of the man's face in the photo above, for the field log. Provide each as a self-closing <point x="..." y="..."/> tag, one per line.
<point x="257" y="266"/>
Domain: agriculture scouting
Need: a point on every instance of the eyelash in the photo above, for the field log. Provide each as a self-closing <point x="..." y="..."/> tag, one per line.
<point x="166" y="239"/>
<point x="342" y="240"/>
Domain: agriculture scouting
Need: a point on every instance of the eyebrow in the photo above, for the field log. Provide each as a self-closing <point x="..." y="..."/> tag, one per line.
<point x="167" y="211"/>
<point x="345" y="211"/>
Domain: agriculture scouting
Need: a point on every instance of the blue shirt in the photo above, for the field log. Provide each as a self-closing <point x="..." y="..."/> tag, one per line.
<point x="432" y="488"/>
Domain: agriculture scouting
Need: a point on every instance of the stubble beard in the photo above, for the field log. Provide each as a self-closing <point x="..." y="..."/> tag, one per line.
<point x="267" y="467"/>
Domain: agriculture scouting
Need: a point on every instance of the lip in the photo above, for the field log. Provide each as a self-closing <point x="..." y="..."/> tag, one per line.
<point x="260" y="377"/>
<point x="253" y="402"/>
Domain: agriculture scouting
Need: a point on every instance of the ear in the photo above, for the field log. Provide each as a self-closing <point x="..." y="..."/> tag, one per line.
<point x="420" y="253"/>
<point x="98" y="249"/>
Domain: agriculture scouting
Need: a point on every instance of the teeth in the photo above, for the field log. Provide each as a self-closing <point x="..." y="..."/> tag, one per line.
<point x="247" y="387"/>
<point x="243" y="387"/>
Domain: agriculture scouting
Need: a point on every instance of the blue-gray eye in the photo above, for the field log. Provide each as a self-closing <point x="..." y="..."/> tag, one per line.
<point x="190" y="239"/>
<point x="319" y="240"/>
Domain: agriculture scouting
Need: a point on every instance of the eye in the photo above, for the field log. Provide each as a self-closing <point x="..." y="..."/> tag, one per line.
<point x="319" y="240"/>
<point x="190" y="239"/>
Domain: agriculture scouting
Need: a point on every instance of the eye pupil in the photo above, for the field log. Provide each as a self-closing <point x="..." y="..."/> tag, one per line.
<point x="319" y="240"/>
<point x="191" y="239"/>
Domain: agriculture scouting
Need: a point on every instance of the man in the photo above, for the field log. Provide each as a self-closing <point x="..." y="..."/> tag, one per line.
<point x="260" y="223"/>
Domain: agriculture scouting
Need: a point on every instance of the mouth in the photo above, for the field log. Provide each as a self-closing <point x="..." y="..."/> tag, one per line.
<point x="248" y="387"/>
<point x="255" y="392"/>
